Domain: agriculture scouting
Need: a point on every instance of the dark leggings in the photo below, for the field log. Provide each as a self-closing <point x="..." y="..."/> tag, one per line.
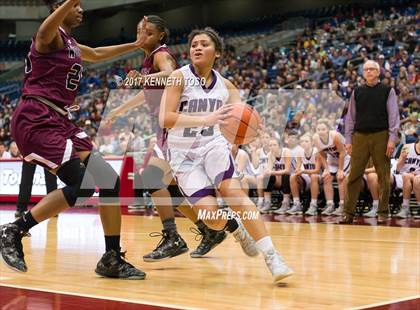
<point x="270" y="181"/>
<point x="26" y="182"/>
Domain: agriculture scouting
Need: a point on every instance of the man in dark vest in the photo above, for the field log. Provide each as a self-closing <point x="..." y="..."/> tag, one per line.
<point x="371" y="129"/>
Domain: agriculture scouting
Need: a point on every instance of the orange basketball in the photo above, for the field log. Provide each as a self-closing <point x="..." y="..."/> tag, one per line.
<point x="243" y="124"/>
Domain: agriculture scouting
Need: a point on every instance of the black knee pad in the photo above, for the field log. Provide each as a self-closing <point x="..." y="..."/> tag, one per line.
<point x="285" y="183"/>
<point x="104" y="177"/>
<point x="269" y="183"/>
<point x="176" y="195"/>
<point x="79" y="182"/>
<point x="152" y="179"/>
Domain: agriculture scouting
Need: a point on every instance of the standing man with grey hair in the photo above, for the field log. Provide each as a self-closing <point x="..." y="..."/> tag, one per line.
<point x="371" y="129"/>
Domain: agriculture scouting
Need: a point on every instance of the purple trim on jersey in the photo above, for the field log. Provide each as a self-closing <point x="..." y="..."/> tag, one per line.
<point x="206" y="89"/>
<point x="227" y="174"/>
<point x="204" y="192"/>
<point x="347" y="168"/>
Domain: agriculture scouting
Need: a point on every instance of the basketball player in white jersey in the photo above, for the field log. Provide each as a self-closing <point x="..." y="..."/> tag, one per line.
<point x="260" y="160"/>
<point x="294" y="147"/>
<point x="277" y="174"/>
<point x="370" y="179"/>
<point x="200" y="155"/>
<point x="306" y="176"/>
<point x="244" y="168"/>
<point x="335" y="161"/>
<point x="157" y="177"/>
<point x="410" y="160"/>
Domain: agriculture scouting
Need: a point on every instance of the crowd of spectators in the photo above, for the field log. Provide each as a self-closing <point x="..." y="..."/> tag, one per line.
<point x="292" y="86"/>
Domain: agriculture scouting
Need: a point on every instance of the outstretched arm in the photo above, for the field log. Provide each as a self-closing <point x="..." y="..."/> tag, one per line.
<point x="107" y="52"/>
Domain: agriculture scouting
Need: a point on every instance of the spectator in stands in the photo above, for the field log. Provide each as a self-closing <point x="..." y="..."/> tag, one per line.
<point x="4" y="154"/>
<point x="107" y="146"/>
<point x="13" y="150"/>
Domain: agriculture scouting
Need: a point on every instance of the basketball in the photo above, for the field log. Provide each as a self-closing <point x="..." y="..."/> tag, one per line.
<point x="243" y="124"/>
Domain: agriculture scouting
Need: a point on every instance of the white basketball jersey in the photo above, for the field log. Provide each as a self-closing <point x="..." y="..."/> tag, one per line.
<point x="295" y="152"/>
<point x="332" y="152"/>
<point x="249" y="168"/>
<point x="309" y="163"/>
<point x="412" y="162"/>
<point x="198" y="100"/>
<point x="263" y="161"/>
<point x="279" y="162"/>
<point x="329" y="148"/>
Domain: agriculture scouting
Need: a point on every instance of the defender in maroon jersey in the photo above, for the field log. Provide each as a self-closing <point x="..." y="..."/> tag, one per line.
<point x="45" y="135"/>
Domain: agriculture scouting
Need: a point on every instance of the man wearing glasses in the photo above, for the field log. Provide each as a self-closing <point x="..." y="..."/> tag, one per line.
<point x="371" y="129"/>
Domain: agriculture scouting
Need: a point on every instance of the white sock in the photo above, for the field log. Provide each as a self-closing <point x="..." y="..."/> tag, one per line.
<point x="341" y="203"/>
<point x="375" y="205"/>
<point x="406" y="203"/>
<point x="314" y="202"/>
<point x="296" y="201"/>
<point x="265" y="244"/>
<point x="330" y="202"/>
<point x="260" y="200"/>
<point x="418" y="203"/>
<point x="286" y="199"/>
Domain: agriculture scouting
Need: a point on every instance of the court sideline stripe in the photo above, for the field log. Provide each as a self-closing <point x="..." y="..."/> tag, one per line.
<point x="140" y="302"/>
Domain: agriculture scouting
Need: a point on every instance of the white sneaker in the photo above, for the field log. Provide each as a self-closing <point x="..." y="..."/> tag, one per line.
<point x="312" y="211"/>
<point x="371" y="213"/>
<point x="339" y="211"/>
<point x="266" y="207"/>
<point x="328" y="210"/>
<point x="284" y="207"/>
<point x="242" y="236"/>
<point x="404" y="213"/>
<point x="260" y="205"/>
<point x="277" y="266"/>
<point x="296" y="209"/>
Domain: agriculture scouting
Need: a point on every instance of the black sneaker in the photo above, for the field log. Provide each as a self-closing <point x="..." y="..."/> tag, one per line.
<point x="209" y="240"/>
<point x="113" y="265"/>
<point x="11" y="246"/>
<point x="170" y="245"/>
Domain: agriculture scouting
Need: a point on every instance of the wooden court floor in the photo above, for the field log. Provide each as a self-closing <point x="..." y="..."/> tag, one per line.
<point x="336" y="266"/>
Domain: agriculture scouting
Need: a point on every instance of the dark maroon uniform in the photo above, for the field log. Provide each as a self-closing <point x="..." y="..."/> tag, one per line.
<point x="43" y="135"/>
<point x="153" y="95"/>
